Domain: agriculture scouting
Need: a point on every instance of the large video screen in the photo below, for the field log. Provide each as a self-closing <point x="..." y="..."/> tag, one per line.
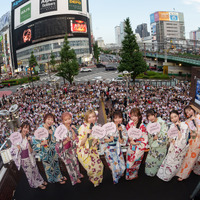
<point x="197" y="93"/>
<point x="51" y="28"/>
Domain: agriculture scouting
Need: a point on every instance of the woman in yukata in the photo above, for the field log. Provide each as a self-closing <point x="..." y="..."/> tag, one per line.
<point x="87" y="149"/>
<point x="136" y="147"/>
<point x="113" y="154"/>
<point x="192" y="158"/>
<point x="157" y="144"/>
<point x="177" y="149"/>
<point x="47" y="152"/>
<point x="23" y="156"/>
<point x="66" y="149"/>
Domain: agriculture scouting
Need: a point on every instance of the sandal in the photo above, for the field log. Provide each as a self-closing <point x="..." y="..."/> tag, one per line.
<point x="42" y="187"/>
<point x="44" y="183"/>
<point x="64" y="178"/>
<point x="81" y="176"/>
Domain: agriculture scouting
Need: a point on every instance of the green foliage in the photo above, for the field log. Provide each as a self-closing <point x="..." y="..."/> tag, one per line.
<point x="132" y="59"/>
<point x="20" y="81"/>
<point x="69" y="65"/>
<point x="32" y="60"/>
<point x="152" y="75"/>
<point x="96" y="50"/>
<point x="52" y="60"/>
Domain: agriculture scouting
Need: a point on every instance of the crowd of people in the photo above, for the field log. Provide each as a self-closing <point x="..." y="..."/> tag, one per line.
<point x="33" y="103"/>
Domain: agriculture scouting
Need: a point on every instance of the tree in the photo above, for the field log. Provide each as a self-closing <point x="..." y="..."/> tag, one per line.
<point x="132" y="59"/>
<point x="96" y="50"/>
<point x="52" y="61"/>
<point x="69" y="66"/>
<point x="32" y="63"/>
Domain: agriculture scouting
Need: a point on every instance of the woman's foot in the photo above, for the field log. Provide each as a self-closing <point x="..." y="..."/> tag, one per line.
<point x="81" y="176"/>
<point x="42" y="187"/>
<point x="180" y="179"/>
<point x="63" y="180"/>
<point x="44" y="183"/>
<point x="78" y="181"/>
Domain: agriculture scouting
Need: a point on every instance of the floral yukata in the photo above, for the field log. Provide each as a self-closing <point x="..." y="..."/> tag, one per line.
<point x="68" y="154"/>
<point x="88" y="156"/>
<point x="114" y="155"/>
<point x="192" y="158"/>
<point x="26" y="159"/>
<point x="157" y="149"/>
<point x="49" y="158"/>
<point x="135" y="153"/>
<point x="175" y="156"/>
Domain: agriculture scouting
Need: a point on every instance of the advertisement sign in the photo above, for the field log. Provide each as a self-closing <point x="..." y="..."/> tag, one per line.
<point x="60" y="132"/>
<point x="172" y="132"/>
<point x="47" y="6"/>
<point x="164" y="16"/>
<point x="98" y="132"/>
<point x="153" y="128"/>
<point x="17" y="3"/>
<point x="173" y="16"/>
<point x="165" y="69"/>
<point x="41" y="134"/>
<point x="156" y="16"/>
<point x="27" y="35"/>
<point x="25" y="12"/>
<point x="152" y="19"/>
<point x="75" y="5"/>
<point x="16" y="138"/>
<point x="134" y="133"/>
<point x="110" y="128"/>
<point x="180" y="17"/>
<point x="197" y="93"/>
<point x="78" y="26"/>
<point x="154" y="29"/>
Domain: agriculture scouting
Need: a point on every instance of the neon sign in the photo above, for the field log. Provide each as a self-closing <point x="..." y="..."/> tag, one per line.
<point x="78" y="26"/>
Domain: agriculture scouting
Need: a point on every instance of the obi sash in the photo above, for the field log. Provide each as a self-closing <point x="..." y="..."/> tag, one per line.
<point x="24" y="154"/>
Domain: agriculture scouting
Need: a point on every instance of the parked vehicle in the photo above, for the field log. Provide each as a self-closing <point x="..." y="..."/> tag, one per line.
<point x="1" y="86"/>
<point x="100" y="65"/>
<point x="84" y="69"/>
<point x="153" y="67"/>
<point x="110" y="67"/>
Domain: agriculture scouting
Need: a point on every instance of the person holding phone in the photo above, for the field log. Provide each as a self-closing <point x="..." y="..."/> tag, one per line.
<point x="87" y="149"/>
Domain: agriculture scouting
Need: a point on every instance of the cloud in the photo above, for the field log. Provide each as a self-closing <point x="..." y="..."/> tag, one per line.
<point x="195" y="3"/>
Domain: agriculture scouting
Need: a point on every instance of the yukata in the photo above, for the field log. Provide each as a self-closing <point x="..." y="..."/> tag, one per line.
<point x="67" y="153"/>
<point x="176" y="154"/>
<point x="114" y="156"/>
<point x="191" y="161"/>
<point x="135" y="153"/>
<point x="49" y="157"/>
<point x="88" y="156"/>
<point x="157" y="149"/>
<point x="25" y="159"/>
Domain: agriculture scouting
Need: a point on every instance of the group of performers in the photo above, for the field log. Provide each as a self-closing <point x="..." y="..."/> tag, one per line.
<point x="166" y="157"/>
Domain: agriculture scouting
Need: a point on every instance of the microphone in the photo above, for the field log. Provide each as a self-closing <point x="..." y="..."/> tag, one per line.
<point x="91" y="125"/>
<point x="178" y="127"/>
<point x="193" y="122"/>
<point x="28" y="140"/>
<point x="120" y="132"/>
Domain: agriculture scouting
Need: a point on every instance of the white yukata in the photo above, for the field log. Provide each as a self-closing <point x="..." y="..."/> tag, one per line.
<point x="175" y="156"/>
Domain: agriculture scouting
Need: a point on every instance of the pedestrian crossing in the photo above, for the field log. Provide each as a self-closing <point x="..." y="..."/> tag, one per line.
<point x="107" y="75"/>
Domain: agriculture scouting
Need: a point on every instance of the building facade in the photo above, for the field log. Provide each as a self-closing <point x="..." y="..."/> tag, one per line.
<point x="39" y="26"/>
<point x="5" y="54"/>
<point x="195" y="35"/>
<point x="142" y="30"/>
<point x="166" y="25"/>
<point x="117" y="36"/>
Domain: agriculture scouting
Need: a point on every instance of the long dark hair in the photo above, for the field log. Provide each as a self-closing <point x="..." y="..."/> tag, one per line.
<point x="136" y="112"/>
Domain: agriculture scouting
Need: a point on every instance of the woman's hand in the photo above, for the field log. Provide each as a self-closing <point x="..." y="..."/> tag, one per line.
<point x="18" y="147"/>
<point x="132" y="142"/>
<point x="155" y="137"/>
<point x="94" y="142"/>
<point x="44" y="142"/>
<point x="88" y="132"/>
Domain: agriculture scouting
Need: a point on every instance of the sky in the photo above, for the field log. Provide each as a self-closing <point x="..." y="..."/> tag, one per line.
<point x="106" y="14"/>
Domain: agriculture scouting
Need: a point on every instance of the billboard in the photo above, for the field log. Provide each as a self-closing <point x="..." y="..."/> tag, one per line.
<point x="51" y="28"/>
<point x="197" y="93"/>
<point x="18" y="3"/>
<point x="75" y="5"/>
<point x="156" y="16"/>
<point x="163" y="16"/>
<point x="152" y="19"/>
<point x="173" y="16"/>
<point x="46" y="6"/>
<point x="25" y="12"/>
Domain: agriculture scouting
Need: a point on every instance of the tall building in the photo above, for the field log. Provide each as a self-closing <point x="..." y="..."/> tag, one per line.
<point x="122" y="33"/>
<point x="117" y="36"/>
<point x="166" y="25"/>
<point x="5" y="54"/>
<point x="195" y="35"/>
<point x="142" y="30"/>
<point x="39" y="26"/>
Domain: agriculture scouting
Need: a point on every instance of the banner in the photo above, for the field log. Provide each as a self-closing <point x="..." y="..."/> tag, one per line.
<point x="47" y="6"/>
<point x="173" y="16"/>
<point x="25" y="12"/>
<point x="75" y="5"/>
<point x="164" y="16"/>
